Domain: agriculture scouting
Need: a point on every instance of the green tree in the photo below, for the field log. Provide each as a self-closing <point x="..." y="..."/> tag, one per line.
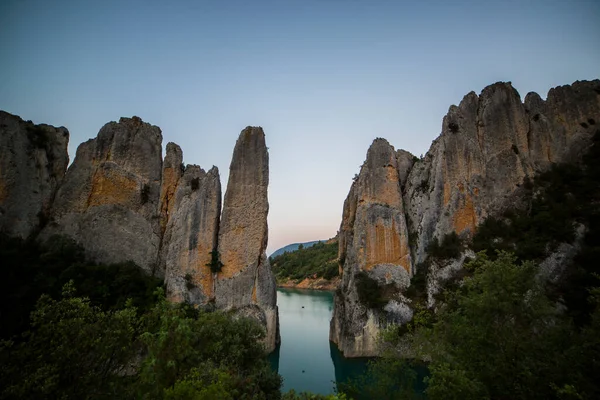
<point x="74" y="350"/>
<point x="499" y="336"/>
<point x="180" y="339"/>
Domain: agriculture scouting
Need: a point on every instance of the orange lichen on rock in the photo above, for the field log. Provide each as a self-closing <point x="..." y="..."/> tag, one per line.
<point x="206" y="277"/>
<point x="232" y="264"/>
<point x="109" y="187"/>
<point x="386" y="193"/>
<point x="447" y="193"/>
<point x="169" y="185"/>
<point x="464" y="217"/>
<point x="385" y="245"/>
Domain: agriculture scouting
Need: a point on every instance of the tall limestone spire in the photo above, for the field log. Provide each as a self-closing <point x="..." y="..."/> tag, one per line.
<point x="245" y="282"/>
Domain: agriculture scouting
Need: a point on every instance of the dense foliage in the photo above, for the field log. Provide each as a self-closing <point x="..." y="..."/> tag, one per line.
<point x="560" y="201"/>
<point x="498" y="336"/>
<point x="30" y="269"/>
<point x="503" y="332"/>
<point x="76" y="350"/>
<point x="317" y="261"/>
<point x="105" y="335"/>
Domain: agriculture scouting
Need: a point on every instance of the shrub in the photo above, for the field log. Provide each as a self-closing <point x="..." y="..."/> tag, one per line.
<point x="369" y="291"/>
<point x="449" y="247"/>
<point x="145" y="193"/>
<point x="215" y="263"/>
<point x="418" y="283"/>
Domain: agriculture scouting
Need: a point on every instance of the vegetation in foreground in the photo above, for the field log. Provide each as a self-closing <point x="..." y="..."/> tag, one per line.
<point x="317" y="261"/>
<point x="498" y="336"/>
<point x="73" y="329"/>
<point x="502" y="332"/>
<point x="110" y="334"/>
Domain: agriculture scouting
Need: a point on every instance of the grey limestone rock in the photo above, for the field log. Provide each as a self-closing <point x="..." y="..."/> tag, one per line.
<point x="191" y="235"/>
<point x="109" y="199"/>
<point x="373" y="240"/>
<point x="33" y="161"/>
<point x="489" y="145"/>
<point x="246" y="279"/>
<point x="172" y="171"/>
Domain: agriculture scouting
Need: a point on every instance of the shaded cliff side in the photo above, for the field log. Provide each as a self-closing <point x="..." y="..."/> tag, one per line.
<point x="109" y="199"/>
<point x="32" y="164"/>
<point x="489" y="147"/>
<point x="246" y="283"/>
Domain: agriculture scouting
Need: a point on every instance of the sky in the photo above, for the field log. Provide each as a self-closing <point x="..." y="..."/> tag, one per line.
<point x="323" y="78"/>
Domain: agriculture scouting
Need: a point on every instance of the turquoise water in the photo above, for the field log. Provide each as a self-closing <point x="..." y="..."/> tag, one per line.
<point x="306" y="359"/>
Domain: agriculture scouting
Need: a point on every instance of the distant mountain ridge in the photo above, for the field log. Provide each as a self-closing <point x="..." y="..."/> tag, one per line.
<point x="294" y="247"/>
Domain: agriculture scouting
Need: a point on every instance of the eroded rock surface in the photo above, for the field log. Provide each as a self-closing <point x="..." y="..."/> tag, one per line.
<point x="246" y="283"/>
<point x="374" y="241"/>
<point x="172" y="171"/>
<point x="489" y="146"/>
<point x="191" y="235"/>
<point x="109" y="199"/>
<point x="33" y="161"/>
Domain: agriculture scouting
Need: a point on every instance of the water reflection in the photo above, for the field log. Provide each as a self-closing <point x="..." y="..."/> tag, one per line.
<point x="306" y="359"/>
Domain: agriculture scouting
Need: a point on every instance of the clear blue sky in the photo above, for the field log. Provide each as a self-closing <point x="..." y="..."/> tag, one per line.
<point x="323" y="78"/>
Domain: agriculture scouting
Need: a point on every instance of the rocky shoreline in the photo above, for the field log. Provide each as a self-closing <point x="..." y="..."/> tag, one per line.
<point x="310" y="283"/>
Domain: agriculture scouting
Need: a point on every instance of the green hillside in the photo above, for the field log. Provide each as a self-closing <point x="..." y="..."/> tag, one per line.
<point x="293" y="247"/>
<point x="317" y="261"/>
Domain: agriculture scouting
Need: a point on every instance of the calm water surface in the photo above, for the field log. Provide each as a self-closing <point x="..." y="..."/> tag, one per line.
<point x="306" y="359"/>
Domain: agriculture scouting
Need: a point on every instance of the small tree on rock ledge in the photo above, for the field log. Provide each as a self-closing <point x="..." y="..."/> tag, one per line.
<point x="215" y="263"/>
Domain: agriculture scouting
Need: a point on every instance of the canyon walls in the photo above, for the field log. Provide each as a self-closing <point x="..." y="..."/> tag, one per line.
<point x="120" y="201"/>
<point x="489" y="146"/>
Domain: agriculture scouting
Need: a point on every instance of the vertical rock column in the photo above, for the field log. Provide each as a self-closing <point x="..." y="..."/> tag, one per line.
<point x="171" y="174"/>
<point x="373" y="243"/>
<point x="246" y="283"/>
<point x="191" y="236"/>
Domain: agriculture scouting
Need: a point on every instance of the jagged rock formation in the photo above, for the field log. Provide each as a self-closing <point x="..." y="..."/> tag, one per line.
<point x="121" y="202"/>
<point x="374" y="241"/>
<point x="108" y="201"/>
<point x="489" y="145"/>
<point x="32" y="163"/>
<point x="246" y="283"/>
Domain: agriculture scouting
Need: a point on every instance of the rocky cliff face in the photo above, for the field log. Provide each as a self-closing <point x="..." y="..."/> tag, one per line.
<point x="245" y="282"/>
<point x="191" y="235"/>
<point x="33" y="160"/>
<point x="172" y="172"/>
<point x="373" y="242"/>
<point x="121" y="202"/>
<point x="108" y="201"/>
<point x="488" y="146"/>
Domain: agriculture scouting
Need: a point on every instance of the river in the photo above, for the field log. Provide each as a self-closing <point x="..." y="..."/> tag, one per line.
<point x="306" y="359"/>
